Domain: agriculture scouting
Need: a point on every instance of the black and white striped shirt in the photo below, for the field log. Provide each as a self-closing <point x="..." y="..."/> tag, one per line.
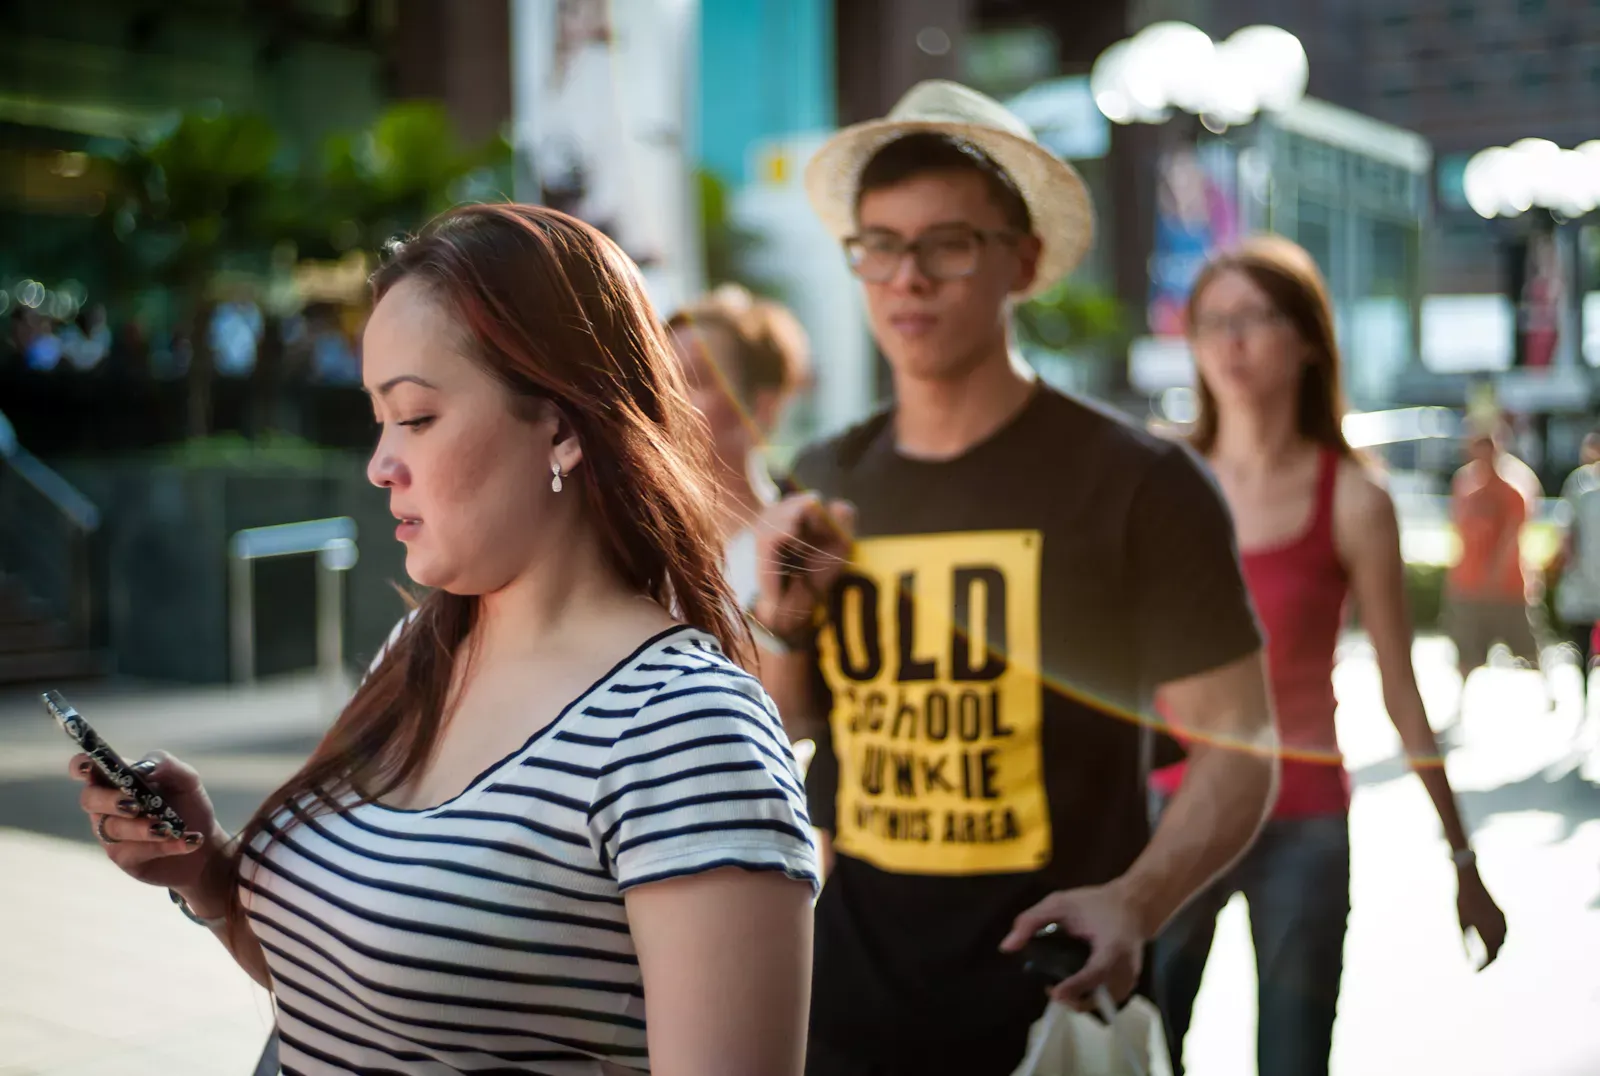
<point x="489" y="934"/>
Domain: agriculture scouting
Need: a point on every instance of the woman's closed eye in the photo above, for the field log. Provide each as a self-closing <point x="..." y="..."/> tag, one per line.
<point x="416" y="423"/>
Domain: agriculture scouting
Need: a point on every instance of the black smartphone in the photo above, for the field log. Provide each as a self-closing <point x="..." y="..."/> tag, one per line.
<point x="1054" y="955"/>
<point x="110" y="764"/>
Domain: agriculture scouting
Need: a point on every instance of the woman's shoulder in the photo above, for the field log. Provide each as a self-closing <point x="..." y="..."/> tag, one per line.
<point x="395" y="632"/>
<point x="1361" y="488"/>
<point x="1363" y="506"/>
<point x="686" y="665"/>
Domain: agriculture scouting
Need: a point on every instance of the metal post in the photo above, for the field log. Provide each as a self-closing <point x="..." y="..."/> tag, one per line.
<point x="1569" y="277"/>
<point x="242" y="617"/>
<point x="333" y="560"/>
<point x="330" y="616"/>
<point x="333" y="542"/>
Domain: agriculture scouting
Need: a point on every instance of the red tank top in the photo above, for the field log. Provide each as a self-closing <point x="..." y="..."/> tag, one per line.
<point x="1299" y="589"/>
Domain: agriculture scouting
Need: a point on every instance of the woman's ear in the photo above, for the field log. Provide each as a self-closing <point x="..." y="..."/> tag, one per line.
<point x="566" y="451"/>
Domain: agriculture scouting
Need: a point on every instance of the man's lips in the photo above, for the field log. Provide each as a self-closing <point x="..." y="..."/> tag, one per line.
<point x="913" y="324"/>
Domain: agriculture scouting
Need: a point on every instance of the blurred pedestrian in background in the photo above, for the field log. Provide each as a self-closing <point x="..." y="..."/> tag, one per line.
<point x="1488" y="596"/>
<point x="1314" y="525"/>
<point x="555" y="793"/>
<point x="1025" y="570"/>
<point x="1575" y="572"/>
<point x="744" y="359"/>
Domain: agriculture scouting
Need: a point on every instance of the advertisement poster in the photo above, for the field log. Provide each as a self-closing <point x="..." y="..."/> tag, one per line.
<point x="1540" y="308"/>
<point x="1196" y="213"/>
<point x="601" y="99"/>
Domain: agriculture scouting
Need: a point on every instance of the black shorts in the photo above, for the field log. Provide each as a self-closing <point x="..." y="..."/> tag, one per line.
<point x="1475" y="625"/>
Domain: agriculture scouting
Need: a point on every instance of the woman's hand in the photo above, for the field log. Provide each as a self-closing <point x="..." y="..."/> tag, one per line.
<point x="1478" y="911"/>
<point x="144" y="848"/>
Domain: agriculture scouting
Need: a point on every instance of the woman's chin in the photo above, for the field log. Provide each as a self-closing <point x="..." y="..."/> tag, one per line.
<point x="425" y="572"/>
<point x="436" y="576"/>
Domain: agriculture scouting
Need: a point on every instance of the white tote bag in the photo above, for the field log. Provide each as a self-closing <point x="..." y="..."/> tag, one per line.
<point x="1065" y="1042"/>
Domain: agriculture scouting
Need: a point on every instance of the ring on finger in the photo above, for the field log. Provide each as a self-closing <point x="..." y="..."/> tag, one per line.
<point x="100" y="830"/>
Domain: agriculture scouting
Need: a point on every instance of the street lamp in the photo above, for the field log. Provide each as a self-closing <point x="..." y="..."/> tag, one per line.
<point x="1507" y="181"/>
<point x="1171" y="65"/>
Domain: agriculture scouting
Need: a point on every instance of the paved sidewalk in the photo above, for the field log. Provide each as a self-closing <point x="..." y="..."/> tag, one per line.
<point x="1529" y="786"/>
<point x="104" y="977"/>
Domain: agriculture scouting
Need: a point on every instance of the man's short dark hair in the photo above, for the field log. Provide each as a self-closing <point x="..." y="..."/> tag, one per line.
<point x="926" y="151"/>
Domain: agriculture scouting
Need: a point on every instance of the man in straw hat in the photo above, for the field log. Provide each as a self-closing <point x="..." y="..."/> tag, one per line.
<point x="1026" y="569"/>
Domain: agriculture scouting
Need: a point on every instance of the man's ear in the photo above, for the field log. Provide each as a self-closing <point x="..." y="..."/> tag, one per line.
<point x="1029" y="250"/>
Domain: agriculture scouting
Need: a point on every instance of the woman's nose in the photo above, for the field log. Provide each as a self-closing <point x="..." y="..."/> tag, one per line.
<point x="384" y="470"/>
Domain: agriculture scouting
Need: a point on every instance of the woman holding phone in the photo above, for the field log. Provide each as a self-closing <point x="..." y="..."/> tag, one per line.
<point x="556" y="794"/>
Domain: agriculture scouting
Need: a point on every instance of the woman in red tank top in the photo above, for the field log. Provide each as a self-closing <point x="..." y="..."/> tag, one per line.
<point x="1314" y="526"/>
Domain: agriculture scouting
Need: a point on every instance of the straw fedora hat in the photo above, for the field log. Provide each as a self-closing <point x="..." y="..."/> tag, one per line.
<point x="1057" y="200"/>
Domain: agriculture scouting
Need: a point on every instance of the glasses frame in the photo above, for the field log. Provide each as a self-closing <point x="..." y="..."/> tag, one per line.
<point x="1236" y="326"/>
<point x="917" y="249"/>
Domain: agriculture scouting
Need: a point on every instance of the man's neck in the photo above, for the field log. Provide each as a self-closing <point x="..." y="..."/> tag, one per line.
<point x="940" y="420"/>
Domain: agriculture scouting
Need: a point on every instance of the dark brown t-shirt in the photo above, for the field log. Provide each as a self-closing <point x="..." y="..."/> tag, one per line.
<point x="984" y="662"/>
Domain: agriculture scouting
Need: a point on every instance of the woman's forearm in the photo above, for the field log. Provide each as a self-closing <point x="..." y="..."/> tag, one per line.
<point x="208" y="900"/>
<point x="1410" y="719"/>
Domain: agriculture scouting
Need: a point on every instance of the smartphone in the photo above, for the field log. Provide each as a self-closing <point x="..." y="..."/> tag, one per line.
<point x="1054" y="955"/>
<point x="151" y="803"/>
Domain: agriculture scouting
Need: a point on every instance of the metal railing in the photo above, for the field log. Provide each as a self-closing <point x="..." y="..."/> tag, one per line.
<point x="46" y="527"/>
<point x="333" y="541"/>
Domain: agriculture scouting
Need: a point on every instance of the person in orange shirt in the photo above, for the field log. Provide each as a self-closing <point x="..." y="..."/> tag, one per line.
<point x="1486" y="592"/>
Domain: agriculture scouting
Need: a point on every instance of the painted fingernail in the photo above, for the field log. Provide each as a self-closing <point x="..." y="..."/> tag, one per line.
<point x="128" y="806"/>
<point x="146" y="766"/>
<point x="161" y="829"/>
<point x="192" y="840"/>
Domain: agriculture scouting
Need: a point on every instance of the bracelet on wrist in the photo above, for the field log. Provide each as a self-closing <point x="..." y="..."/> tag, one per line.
<point x="183" y="906"/>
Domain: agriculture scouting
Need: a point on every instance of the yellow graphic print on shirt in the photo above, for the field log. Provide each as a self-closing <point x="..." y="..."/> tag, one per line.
<point x="932" y="654"/>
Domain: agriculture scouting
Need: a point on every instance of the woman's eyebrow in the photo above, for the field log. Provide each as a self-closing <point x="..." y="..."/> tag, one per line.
<point x="383" y="389"/>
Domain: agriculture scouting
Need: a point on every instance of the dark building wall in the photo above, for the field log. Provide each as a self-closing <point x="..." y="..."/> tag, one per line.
<point x="458" y="53"/>
<point x="878" y="55"/>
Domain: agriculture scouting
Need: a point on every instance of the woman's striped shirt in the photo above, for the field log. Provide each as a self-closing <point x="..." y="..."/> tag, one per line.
<point x="488" y="934"/>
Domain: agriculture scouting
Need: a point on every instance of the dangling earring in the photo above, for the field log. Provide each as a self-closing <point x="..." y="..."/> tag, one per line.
<point x="555" y="481"/>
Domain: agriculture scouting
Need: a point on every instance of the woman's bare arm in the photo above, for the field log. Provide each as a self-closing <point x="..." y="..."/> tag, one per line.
<point x="726" y="959"/>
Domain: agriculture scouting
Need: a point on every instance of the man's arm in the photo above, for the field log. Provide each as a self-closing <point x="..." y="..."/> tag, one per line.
<point x="789" y="678"/>
<point x="1228" y="788"/>
<point x="800" y="527"/>
<point x="1197" y="640"/>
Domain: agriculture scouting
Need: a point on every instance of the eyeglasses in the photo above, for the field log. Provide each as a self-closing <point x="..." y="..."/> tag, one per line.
<point x="1243" y="323"/>
<point x="948" y="252"/>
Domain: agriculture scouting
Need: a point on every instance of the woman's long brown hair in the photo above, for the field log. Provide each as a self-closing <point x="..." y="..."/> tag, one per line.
<point x="1289" y="276"/>
<point x="555" y="311"/>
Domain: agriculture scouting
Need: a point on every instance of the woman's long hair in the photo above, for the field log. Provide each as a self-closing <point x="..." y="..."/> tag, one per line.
<point x="1296" y="289"/>
<point x="554" y="311"/>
